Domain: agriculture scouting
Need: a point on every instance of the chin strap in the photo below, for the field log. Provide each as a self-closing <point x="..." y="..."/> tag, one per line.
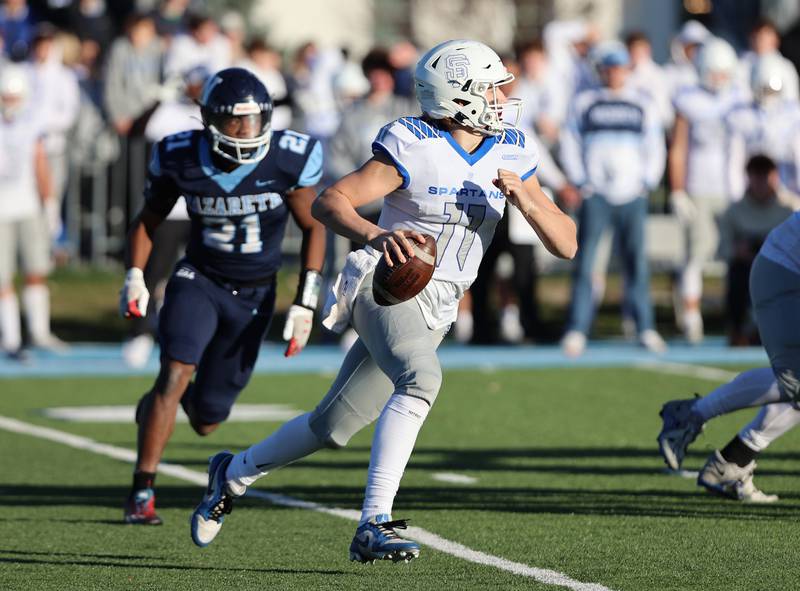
<point x="309" y="288"/>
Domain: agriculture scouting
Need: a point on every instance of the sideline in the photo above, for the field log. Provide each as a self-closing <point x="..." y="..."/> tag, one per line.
<point x="712" y="374"/>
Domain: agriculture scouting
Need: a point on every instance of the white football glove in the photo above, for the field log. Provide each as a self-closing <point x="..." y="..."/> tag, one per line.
<point x="52" y="216"/>
<point x="134" y="297"/>
<point x="684" y="207"/>
<point x="297" y="329"/>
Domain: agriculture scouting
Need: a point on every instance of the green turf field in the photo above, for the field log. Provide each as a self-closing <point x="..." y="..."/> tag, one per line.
<point x="568" y="479"/>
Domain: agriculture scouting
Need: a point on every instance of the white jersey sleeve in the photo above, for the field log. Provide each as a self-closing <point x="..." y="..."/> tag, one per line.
<point x="397" y="138"/>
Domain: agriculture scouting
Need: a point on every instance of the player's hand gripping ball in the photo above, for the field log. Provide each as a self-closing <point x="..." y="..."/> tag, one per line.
<point x="403" y="280"/>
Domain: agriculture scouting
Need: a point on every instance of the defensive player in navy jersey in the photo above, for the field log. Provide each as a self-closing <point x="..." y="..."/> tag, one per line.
<point x="240" y="182"/>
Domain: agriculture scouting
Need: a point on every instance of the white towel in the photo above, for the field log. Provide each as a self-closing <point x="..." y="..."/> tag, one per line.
<point x="341" y="295"/>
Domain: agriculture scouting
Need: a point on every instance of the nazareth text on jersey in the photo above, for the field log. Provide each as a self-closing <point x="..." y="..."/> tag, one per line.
<point x="238" y="217"/>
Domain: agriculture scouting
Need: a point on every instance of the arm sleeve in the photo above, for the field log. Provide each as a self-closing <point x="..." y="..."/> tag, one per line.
<point x="548" y="171"/>
<point x="529" y="163"/>
<point x="115" y="83"/>
<point x="571" y="148"/>
<point x="736" y="158"/>
<point x="160" y="191"/>
<point x="653" y="146"/>
<point x="392" y="142"/>
<point x="311" y="172"/>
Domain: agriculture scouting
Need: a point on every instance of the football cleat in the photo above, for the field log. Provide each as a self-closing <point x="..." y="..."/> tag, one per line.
<point x="207" y="518"/>
<point x="140" y="508"/>
<point x="730" y="480"/>
<point x="377" y="539"/>
<point x="680" y="428"/>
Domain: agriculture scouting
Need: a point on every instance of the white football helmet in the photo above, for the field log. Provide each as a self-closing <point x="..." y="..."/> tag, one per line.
<point x="768" y="79"/>
<point x="453" y="79"/>
<point x="716" y="64"/>
<point x="14" y="90"/>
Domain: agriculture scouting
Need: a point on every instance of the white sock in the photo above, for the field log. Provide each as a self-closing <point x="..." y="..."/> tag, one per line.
<point x="36" y="300"/>
<point x="770" y="423"/>
<point x="692" y="281"/>
<point x="10" y="331"/>
<point x="395" y="434"/>
<point x="753" y="387"/>
<point x="294" y="440"/>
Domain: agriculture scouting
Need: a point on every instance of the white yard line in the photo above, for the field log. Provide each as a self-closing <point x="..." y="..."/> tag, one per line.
<point x="454" y="478"/>
<point x="712" y="374"/>
<point x="542" y="575"/>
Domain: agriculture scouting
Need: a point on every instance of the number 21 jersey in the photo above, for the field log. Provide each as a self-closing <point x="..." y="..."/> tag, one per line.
<point x="238" y="217"/>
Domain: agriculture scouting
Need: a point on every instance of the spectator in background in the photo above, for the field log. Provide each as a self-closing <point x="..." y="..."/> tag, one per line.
<point x="17" y="27"/>
<point x="233" y="27"/>
<point x="265" y="63"/>
<point x="58" y="100"/>
<point x="312" y="75"/>
<point x="769" y="125"/>
<point x="351" y="146"/>
<point x="25" y="192"/>
<point x="698" y="172"/>
<point x="170" y="238"/>
<point x="201" y="45"/>
<point x="349" y="83"/>
<point x="764" y="41"/>
<point x="171" y="18"/>
<point x="403" y="57"/>
<point x="133" y="74"/>
<point x="681" y="69"/>
<point x="648" y="76"/>
<point x="613" y="149"/>
<point x="89" y="20"/>
<point x="569" y="47"/>
<point x="542" y="92"/>
<point x="743" y="229"/>
<point x="518" y="310"/>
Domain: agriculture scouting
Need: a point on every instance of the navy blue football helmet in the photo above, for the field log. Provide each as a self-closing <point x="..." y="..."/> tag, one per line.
<point x="237" y="111"/>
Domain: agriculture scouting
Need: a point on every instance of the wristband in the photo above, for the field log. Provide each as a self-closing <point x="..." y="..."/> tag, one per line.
<point x="134" y="273"/>
<point x="309" y="288"/>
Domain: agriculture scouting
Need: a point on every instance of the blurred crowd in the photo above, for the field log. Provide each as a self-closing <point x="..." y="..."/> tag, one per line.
<point x="91" y="84"/>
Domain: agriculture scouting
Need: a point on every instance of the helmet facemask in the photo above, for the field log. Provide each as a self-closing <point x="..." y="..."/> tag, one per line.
<point x="491" y="116"/>
<point x="226" y="129"/>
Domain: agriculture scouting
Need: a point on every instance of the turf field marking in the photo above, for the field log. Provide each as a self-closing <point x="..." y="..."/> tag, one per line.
<point x="542" y="575"/>
<point x="712" y="374"/>
<point x="125" y="413"/>
<point x="454" y="478"/>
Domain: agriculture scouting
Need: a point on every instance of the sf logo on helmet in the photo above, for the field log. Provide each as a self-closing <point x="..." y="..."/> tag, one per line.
<point x="456" y="68"/>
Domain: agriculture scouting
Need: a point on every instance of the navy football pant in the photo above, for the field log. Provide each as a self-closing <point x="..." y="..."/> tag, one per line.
<point x="217" y="327"/>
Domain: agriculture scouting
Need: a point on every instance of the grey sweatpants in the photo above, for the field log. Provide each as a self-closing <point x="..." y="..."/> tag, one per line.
<point x="395" y="353"/>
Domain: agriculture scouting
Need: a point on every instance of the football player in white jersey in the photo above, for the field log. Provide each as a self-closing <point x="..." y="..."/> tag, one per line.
<point x="768" y="125"/>
<point x="698" y="171"/>
<point x="447" y="173"/>
<point x="26" y="198"/>
<point x="774" y="285"/>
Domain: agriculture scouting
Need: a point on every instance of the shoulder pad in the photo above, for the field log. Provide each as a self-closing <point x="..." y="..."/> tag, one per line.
<point x="177" y="150"/>
<point x="407" y="130"/>
<point x="299" y="156"/>
<point x="513" y="136"/>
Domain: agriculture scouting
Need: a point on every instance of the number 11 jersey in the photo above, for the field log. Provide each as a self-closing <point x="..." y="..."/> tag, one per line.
<point x="238" y="217"/>
<point x="448" y="192"/>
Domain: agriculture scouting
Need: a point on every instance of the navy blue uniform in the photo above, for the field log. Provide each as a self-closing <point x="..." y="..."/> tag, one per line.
<point x="220" y="299"/>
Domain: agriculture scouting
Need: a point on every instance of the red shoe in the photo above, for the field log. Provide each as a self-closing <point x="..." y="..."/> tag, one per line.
<point x="140" y="508"/>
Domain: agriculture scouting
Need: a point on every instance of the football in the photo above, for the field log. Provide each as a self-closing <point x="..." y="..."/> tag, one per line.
<point x="392" y="285"/>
